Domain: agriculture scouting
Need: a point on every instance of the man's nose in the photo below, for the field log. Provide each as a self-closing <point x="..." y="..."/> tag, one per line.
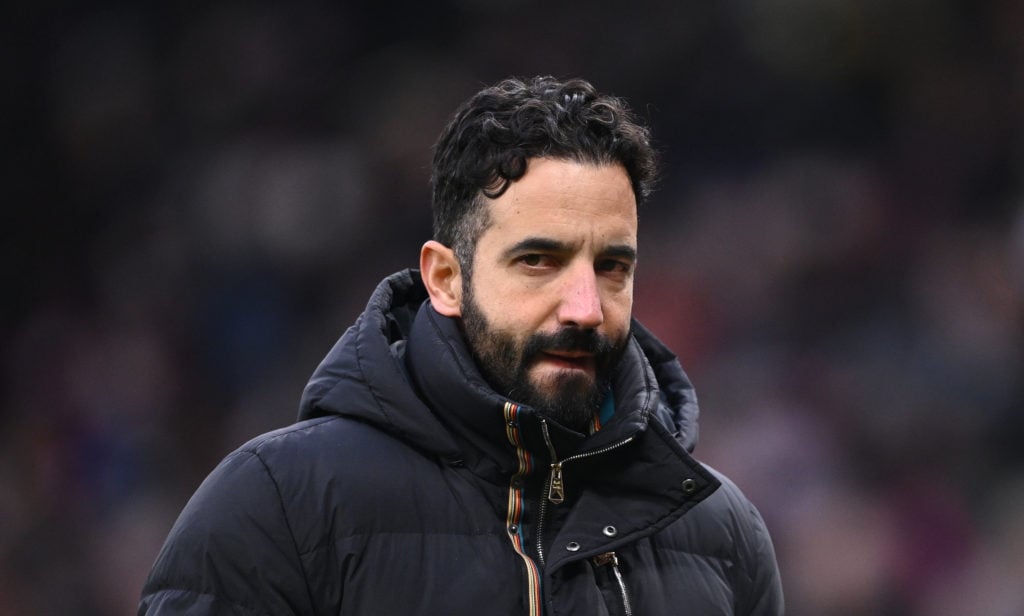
<point x="581" y="300"/>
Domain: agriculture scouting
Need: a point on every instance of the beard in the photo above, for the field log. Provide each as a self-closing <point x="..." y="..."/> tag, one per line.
<point x="569" y="397"/>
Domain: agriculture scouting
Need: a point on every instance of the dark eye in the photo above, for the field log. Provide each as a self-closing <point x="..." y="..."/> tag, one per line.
<point x="614" y="265"/>
<point x="538" y="260"/>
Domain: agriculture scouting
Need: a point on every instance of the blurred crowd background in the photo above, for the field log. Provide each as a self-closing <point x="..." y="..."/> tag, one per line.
<point x="200" y="198"/>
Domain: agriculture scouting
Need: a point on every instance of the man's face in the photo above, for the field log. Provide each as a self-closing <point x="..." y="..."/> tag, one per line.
<point x="547" y="310"/>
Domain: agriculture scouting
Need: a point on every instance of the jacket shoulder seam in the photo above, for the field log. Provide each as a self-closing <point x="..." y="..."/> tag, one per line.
<point x="287" y="521"/>
<point x="254" y="445"/>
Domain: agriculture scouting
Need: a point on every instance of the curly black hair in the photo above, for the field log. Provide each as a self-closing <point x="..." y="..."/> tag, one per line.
<point x="486" y="145"/>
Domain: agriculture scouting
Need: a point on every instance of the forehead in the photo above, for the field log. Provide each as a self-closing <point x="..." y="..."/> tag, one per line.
<point x="566" y="200"/>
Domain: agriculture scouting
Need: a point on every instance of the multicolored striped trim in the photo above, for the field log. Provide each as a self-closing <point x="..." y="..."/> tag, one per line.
<point x="604" y="414"/>
<point x="514" y="517"/>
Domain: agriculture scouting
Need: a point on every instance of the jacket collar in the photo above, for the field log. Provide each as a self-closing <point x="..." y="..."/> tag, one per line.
<point x="446" y="376"/>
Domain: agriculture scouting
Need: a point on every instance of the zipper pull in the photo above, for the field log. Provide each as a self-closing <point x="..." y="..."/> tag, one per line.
<point x="608" y="558"/>
<point x="556" y="490"/>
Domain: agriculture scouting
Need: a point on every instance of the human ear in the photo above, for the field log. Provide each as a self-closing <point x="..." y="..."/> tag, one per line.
<point x="443" y="278"/>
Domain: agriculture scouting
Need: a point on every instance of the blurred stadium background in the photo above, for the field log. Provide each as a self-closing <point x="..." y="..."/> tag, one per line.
<point x="200" y="197"/>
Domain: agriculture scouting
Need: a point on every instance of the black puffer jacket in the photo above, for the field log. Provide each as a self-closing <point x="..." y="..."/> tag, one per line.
<point x="409" y="487"/>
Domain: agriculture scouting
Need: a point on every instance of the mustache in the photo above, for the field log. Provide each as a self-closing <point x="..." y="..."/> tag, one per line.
<point x="569" y="339"/>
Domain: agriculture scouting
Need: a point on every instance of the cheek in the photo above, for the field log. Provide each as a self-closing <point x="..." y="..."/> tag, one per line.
<point x="522" y="318"/>
<point x="617" y="321"/>
<point x="618" y="307"/>
<point x="526" y="311"/>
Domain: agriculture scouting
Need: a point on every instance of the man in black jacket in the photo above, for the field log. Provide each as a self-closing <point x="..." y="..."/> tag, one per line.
<point x="495" y="434"/>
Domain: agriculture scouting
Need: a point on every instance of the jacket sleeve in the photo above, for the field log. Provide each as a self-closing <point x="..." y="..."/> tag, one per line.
<point x="764" y="597"/>
<point x="759" y="585"/>
<point x="231" y="551"/>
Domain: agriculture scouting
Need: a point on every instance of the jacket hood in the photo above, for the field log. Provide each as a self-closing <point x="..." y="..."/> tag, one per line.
<point x="678" y="410"/>
<point x="365" y="376"/>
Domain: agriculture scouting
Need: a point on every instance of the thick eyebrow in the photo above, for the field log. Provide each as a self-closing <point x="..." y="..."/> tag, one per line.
<point x="548" y="245"/>
<point x="536" y="244"/>
<point x="621" y="251"/>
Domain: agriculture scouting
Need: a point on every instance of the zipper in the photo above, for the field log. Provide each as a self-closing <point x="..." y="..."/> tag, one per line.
<point x="554" y="485"/>
<point x="609" y="558"/>
<point x="542" y="511"/>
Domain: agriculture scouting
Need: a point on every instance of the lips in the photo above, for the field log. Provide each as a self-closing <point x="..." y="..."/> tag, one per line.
<point x="578" y="360"/>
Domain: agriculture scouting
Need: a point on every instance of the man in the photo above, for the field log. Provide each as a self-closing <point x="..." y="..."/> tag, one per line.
<point x="494" y="435"/>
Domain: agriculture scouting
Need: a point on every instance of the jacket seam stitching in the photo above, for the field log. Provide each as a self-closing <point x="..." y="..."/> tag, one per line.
<point x="288" y="525"/>
<point x="253" y="446"/>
